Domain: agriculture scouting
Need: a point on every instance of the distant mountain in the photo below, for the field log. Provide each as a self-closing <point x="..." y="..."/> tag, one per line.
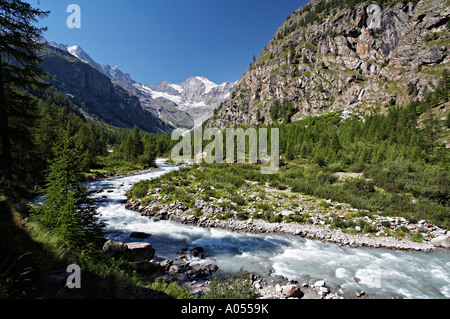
<point x="177" y="104"/>
<point x="94" y="93"/>
<point x="112" y="72"/>
<point x="196" y="97"/>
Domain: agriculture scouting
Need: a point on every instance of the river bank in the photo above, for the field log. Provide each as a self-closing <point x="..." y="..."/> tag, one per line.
<point x="271" y="287"/>
<point x="113" y="175"/>
<point x="177" y="212"/>
<point x="190" y="271"/>
<point x="240" y="200"/>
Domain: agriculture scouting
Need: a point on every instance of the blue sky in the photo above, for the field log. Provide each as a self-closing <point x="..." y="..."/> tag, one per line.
<point x="171" y="40"/>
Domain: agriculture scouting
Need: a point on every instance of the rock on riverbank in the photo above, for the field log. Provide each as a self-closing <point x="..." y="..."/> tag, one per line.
<point x="190" y="271"/>
<point x="177" y="212"/>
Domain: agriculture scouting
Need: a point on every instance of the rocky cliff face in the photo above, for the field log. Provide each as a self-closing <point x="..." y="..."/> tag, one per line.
<point x="95" y="94"/>
<point x="329" y="56"/>
<point x="113" y="72"/>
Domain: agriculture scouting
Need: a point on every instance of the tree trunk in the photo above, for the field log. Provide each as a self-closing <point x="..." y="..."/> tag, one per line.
<point x="4" y="130"/>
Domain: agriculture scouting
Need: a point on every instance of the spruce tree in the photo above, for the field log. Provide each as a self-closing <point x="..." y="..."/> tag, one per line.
<point x="132" y="147"/>
<point x="20" y="40"/>
<point x="137" y="144"/>
<point x="431" y="130"/>
<point x="68" y="210"/>
<point x="150" y="150"/>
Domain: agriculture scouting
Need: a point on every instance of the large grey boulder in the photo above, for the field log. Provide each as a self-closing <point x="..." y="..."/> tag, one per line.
<point x="374" y="19"/>
<point x="140" y="251"/>
<point x="131" y="251"/>
<point x="442" y="241"/>
<point x="115" y="247"/>
<point x="433" y="55"/>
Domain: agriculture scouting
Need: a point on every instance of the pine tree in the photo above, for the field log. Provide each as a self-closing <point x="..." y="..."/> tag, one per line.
<point x="91" y="142"/>
<point x="275" y="111"/>
<point x="19" y="44"/>
<point x="289" y="150"/>
<point x="149" y="156"/>
<point x="432" y="132"/>
<point x="335" y="143"/>
<point x="133" y="147"/>
<point x="68" y="210"/>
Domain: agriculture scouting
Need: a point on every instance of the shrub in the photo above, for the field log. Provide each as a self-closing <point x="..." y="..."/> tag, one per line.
<point x="237" y="286"/>
<point x="140" y="189"/>
<point x="417" y="236"/>
<point x="172" y="289"/>
<point x="238" y="199"/>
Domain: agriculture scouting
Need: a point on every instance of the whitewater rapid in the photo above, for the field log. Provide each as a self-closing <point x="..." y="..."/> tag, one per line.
<point x="379" y="272"/>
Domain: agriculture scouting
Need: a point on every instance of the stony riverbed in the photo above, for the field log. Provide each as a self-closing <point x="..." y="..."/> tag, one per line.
<point x="319" y="230"/>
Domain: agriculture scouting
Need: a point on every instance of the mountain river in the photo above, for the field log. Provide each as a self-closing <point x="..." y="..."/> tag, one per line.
<point x="379" y="272"/>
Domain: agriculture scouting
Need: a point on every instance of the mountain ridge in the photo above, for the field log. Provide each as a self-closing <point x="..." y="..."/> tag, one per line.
<point x="95" y="94"/>
<point x="331" y="56"/>
<point x="179" y="104"/>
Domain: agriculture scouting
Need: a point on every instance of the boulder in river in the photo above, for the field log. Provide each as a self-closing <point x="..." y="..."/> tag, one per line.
<point x="197" y="252"/>
<point x="291" y="291"/>
<point x="137" y="234"/>
<point x="115" y="248"/>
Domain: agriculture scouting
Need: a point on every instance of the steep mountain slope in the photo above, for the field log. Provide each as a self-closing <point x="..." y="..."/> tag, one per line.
<point x="95" y="94"/>
<point x="112" y="72"/>
<point x="348" y="55"/>
<point x="178" y="104"/>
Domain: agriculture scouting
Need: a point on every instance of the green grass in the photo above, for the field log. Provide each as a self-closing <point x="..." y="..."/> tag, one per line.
<point x="30" y="256"/>
<point x="236" y="286"/>
<point x="172" y="289"/>
<point x="407" y="199"/>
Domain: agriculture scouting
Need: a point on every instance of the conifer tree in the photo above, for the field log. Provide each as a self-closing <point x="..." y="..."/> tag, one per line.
<point x="431" y="129"/>
<point x="133" y="147"/>
<point x="150" y="150"/>
<point x="68" y="210"/>
<point x="20" y="40"/>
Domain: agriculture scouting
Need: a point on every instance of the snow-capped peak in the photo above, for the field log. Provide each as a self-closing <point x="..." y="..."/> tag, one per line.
<point x="195" y="99"/>
<point x="209" y="84"/>
<point x="176" y="87"/>
<point x="72" y="49"/>
<point x="78" y="52"/>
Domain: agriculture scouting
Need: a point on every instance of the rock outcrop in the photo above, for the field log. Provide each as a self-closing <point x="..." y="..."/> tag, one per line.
<point x="328" y="56"/>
